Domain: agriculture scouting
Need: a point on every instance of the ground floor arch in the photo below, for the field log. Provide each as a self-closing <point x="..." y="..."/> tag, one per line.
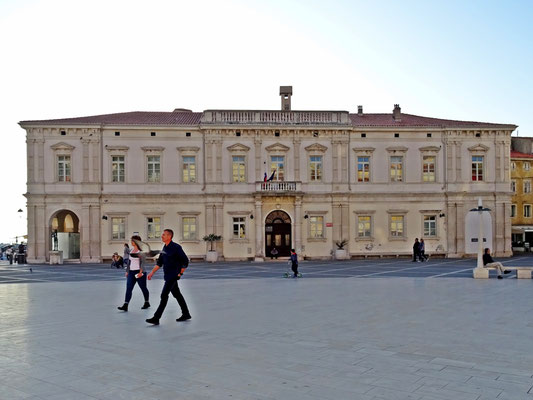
<point x="65" y="234"/>
<point x="278" y="234"/>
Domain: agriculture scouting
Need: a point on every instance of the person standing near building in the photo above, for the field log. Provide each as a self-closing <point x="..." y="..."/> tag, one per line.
<point x="488" y="262"/>
<point x="135" y="273"/>
<point x="174" y="262"/>
<point x="294" y="263"/>
<point x="416" y="250"/>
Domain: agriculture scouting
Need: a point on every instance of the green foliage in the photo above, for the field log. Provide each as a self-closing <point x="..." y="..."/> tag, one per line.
<point x="340" y="245"/>
<point x="211" y="238"/>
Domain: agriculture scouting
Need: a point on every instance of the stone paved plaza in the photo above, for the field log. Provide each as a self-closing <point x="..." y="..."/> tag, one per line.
<point x="392" y="335"/>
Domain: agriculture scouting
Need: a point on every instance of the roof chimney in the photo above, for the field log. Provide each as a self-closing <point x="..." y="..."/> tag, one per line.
<point x="397" y="113"/>
<point x="360" y="111"/>
<point x="285" y="92"/>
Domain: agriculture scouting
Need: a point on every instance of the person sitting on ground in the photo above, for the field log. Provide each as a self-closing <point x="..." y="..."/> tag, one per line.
<point x="117" y="261"/>
<point x="488" y="262"/>
<point x="274" y="253"/>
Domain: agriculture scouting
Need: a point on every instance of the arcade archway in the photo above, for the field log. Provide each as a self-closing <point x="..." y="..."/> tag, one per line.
<point x="278" y="233"/>
<point x="65" y="234"/>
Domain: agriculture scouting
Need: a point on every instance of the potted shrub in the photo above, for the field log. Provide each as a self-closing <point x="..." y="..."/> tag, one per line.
<point x="211" y="255"/>
<point x="340" y="253"/>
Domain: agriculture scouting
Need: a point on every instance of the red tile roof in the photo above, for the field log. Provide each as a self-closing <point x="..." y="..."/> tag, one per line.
<point x="517" y="154"/>
<point x="189" y="118"/>
<point x="151" y="118"/>
<point x="407" y="120"/>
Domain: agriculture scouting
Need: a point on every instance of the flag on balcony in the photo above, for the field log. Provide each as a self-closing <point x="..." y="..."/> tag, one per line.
<point x="271" y="176"/>
<point x="265" y="177"/>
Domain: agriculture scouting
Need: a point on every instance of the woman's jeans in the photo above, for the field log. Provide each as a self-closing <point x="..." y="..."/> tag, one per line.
<point x="131" y="280"/>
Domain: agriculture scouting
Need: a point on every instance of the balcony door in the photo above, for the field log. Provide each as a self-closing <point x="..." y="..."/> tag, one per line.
<point x="278" y="234"/>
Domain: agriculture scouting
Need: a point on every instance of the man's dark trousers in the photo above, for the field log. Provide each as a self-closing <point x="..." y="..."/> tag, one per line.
<point x="171" y="286"/>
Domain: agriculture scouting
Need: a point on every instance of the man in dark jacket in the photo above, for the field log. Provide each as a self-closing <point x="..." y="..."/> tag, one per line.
<point x="174" y="262"/>
<point x="488" y="262"/>
<point x="416" y="250"/>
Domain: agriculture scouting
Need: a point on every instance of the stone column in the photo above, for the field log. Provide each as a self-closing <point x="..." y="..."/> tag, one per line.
<point x="85" y="232"/>
<point x="209" y="161"/>
<point x="95" y="221"/>
<point x="335" y="148"/>
<point x="218" y="149"/>
<point x="85" y="143"/>
<point x="31" y="234"/>
<point x="296" y="151"/>
<point x="257" y="149"/>
<point x="259" y="229"/>
<point x="40" y="160"/>
<point x="219" y="228"/>
<point x="345" y="228"/>
<point x="298" y="224"/>
<point x="41" y="232"/>
<point x="458" y="162"/>
<point x="30" y="147"/>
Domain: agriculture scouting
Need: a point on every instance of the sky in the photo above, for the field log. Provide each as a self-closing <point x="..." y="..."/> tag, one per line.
<point x="465" y="60"/>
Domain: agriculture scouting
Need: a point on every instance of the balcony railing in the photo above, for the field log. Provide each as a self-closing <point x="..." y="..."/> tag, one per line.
<point x="277" y="187"/>
<point x="275" y="117"/>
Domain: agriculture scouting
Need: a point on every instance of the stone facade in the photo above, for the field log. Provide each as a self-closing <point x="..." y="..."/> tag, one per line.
<point x="375" y="180"/>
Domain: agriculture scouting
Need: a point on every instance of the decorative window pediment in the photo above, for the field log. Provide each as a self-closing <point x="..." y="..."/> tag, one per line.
<point x="397" y="149"/>
<point x="117" y="148"/>
<point x="153" y="149"/>
<point x="277" y="147"/>
<point x="188" y="149"/>
<point x="62" y="146"/>
<point x="429" y="149"/>
<point x="479" y="148"/>
<point x="238" y="147"/>
<point x="316" y="147"/>
<point x="364" y="150"/>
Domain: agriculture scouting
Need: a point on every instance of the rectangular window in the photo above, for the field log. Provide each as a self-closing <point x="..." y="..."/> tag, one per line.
<point x="118" y="228"/>
<point x="316" y="227"/>
<point x="153" y="227"/>
<point x="513" y="186"/>
<point x="527" y="210"/>
<point x="396" y="225"/>
<point x="238" y="168"/>
<point x="430" y="225"/>
<point x="513" y="165"/>
<point x="189" y="169"/>
<point x="277" y="166"/>
<point x="63" y="168"/>
<point x="526" y="166"/>
<point x="363" y="169"/>
<point x="154" y="169"/>
<point x="428" y="169"/>
<point x="477" y="168"/>
<point x="527" y="186"/>
<point x="513" y="210"/>
<point x="364" y="226"/>
<point x="239" y="228"/>
<point x="396" y="168"/>
<point x="315" y="168"/>
<point x="189" y="228"/>
<point x="118" y="168"/>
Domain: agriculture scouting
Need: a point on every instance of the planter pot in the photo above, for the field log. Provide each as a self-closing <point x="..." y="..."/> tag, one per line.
<point x="340" y="254"/>
<point x="211" y="256"/>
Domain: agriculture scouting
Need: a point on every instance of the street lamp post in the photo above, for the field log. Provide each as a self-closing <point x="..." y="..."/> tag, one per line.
<point x="479" y="271"/>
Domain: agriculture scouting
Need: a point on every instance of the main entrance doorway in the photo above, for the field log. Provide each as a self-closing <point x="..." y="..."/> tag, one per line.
<point x="65" y="234"/>
<point x="278" y="234"/>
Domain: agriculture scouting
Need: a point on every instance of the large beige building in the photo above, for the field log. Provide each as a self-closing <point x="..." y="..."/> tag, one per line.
<point x="375" y="180"/>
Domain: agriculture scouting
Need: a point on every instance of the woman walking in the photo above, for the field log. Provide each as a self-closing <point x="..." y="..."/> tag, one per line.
<point x="135" y="273"/>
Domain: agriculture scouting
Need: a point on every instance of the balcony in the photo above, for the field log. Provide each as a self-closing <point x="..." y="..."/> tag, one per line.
<point x="277" y="187"/>
<point x="230" y="117"/>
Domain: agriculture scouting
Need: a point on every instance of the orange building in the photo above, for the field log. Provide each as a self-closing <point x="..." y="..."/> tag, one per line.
<point x="522" y="199"/>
